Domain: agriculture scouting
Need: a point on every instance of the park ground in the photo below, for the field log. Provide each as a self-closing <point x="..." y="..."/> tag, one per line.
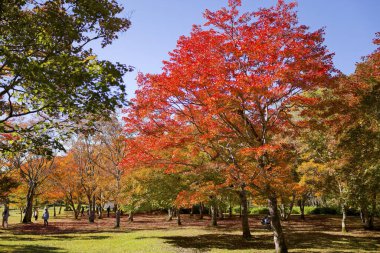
<point x="152" y="233"/>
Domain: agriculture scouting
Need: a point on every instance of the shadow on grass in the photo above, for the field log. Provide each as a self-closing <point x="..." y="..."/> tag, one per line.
<point x="57" y="237"/>
<point x="30" y="248"/>
<point x="218" y="241"/>
<point x="326" y="241"/>
<point x="304" y="242"/>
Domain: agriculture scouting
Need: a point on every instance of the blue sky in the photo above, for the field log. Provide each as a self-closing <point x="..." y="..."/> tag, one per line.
<point x="156" y="26"/>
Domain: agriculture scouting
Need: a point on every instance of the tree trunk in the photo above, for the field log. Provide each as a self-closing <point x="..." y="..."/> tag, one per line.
<point x="301" y="204"/>
<point x="117" y="216"/>
<point x="220" y="212"/>
<point x="344" y="216"/>
<point x="179" y="223"/>
<point x="287" y="214"/>
<point x="21" y="211"/>
<point x="230" y="212"/>
<point x="213" y="210"/>
<point x="278" y="234"/>
<point x="54" y="212"/>
<point x="60" y="208"/>
<point x="362" y="215"/>
<point x="75" y="210"/>
<point x="100" y="212"/>
<point x="130" y="216"/>
<point x="170" y="214"/>
<point x="244" y="214"/>
<point x="29" y="205"/>
<point x="192" y="211"/>
<point x="201" y="208"/>
<point x="369" y="215"/>
<point x="91" y="206"/>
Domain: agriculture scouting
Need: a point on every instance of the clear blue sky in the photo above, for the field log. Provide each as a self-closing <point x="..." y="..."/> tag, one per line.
<point x="157" y="24"/>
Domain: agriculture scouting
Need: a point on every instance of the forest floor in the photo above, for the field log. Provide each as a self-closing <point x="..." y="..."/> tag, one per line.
<point x="152" y="233"/>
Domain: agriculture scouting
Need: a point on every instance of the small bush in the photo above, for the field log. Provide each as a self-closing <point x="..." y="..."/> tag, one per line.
<point x="296" y="210"/>
<point x="236" y="210"/>
<point x="259" y="210"/>
<point x="324" y="210"/>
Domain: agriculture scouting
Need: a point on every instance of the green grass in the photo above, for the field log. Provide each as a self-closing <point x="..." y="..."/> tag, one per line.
<point x="150" y="233"/>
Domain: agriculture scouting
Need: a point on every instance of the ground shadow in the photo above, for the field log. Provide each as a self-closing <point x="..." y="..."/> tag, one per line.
<point x="219" y="241"/>
<point x="321" y="240"/>
<point x="55" y="237"/>
<point x="30" y="248"/>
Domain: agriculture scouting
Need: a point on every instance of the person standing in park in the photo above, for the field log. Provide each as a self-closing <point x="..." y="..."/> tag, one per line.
<point x="5" y="215"/>
<point x="35" y="214"/>
<point x="45" y="216"/>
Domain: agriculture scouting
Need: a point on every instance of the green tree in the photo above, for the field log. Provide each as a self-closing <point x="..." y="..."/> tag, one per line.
<point x="48" y="71"/>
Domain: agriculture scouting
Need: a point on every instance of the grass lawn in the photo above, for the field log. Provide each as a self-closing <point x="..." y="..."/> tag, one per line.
<point x="152" y="233"/>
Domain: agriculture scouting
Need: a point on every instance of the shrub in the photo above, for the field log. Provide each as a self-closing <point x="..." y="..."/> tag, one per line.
<point x="259" y="210"/>
<point x="324" y="210"/>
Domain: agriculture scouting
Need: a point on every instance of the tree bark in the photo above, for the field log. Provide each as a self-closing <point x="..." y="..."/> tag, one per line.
<point x="213" y="210"/>
<point x="344" y="216"/>
<point x="179" y="223"/>
<point x="54" y="212"/>
<point x="201" y="208"/>
<point x="301" y="204"/>
<point x="21" y="209"/>
<point x="60" y="208"/>
<point x="192" y="211"/>
<point x="220" y="212"/>
<point x="100" y="212"/>
<point x="278" y="234"/>
<point x="117" y="221"/>
<point x="287" y="214"/>
<point x="29" y="205"/>
<point x="130" y="216"/>
<point x="369" y="215"/>
<point x="244" y="213"/>
<point x="91" y="206"/>
<point x="170" y="214"/>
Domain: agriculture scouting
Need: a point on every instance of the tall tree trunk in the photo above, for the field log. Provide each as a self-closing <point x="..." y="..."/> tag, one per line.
<point x="54" y="212"/>
<point x="179" y="223"/>
<point x="29" y="205"/>
<point x="213" y="210"/>
<point x="344" y="216"/>
<point x="244" y="213"/>
<point x="230" y="211"/>
<point x="192" y="211"/>
<point x="60" y="208"/>
<point x="278" y="234"/>
<point x="201" y="208"/>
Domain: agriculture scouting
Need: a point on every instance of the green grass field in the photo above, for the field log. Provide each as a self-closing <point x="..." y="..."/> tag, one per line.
<point x="152" y="233"/>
